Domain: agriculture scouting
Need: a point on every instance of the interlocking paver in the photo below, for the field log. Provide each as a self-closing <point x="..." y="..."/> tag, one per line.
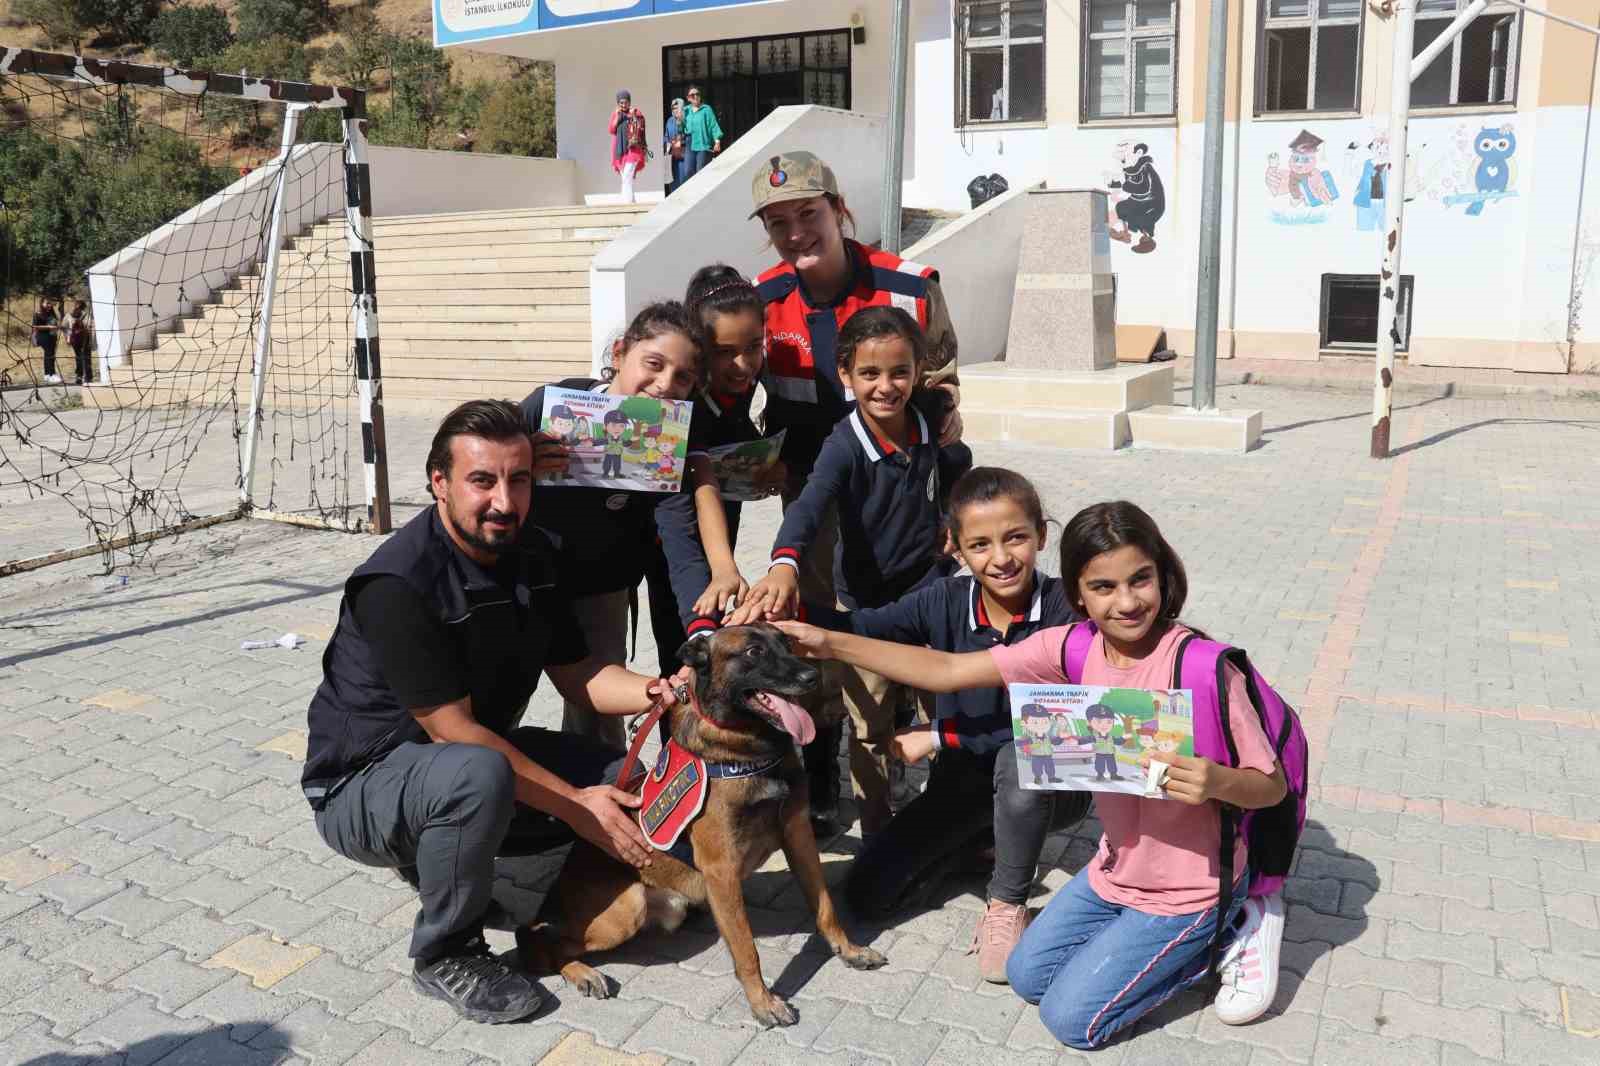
<point x="143" y="1033"/>
<point x="105" y="953"/>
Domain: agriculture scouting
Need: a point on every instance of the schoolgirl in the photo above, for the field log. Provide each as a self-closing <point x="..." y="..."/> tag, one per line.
<point x="972" y="799"/>
<point x="607" y="537"/>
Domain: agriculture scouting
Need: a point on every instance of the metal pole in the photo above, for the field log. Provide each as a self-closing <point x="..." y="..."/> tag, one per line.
<point x="364" y="289"/>
<point x="894" y="157"/>
<point x="1394" y="205"/>
<point x="1447" y="38"/>
<point x="1209" y="289"/>
<point x="269" y="280"/>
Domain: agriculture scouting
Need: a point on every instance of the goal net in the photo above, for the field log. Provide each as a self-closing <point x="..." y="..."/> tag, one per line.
<point x="196" y="250"/>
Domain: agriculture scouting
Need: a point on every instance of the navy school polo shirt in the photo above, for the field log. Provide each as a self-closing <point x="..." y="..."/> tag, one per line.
<point x="891" y="509"/>
<point x="949" y="615"/>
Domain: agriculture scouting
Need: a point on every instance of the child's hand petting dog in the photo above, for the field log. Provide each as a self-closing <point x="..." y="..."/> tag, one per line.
<point x="808" y="642"/>
<point x="774" y="597"/>
<point x="723" y="587"/>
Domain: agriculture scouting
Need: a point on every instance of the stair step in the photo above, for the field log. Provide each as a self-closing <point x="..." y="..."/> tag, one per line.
<point x="495" y="248"/>
<point x="401" y="239"/>
<point x="1121" y="388"/>
<point x="1106" y="430"/>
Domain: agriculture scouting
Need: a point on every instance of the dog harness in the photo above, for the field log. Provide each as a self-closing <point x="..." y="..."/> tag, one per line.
<point x="673" y="793"/>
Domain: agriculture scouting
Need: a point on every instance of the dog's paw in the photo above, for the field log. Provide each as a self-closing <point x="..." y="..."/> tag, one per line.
<point x="859" y="958"/>
<point x="775" y="1011"/>
<point x="587" y="980"/>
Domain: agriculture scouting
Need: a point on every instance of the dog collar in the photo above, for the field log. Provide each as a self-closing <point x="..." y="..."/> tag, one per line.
<point x="725" y="770"/>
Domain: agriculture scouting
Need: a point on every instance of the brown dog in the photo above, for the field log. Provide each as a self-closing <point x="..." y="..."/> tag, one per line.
<point x="741" y="714"/>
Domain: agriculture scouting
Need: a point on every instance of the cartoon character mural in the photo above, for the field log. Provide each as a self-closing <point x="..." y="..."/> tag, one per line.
<point x="1492" y="150"/>
<point x="1373" y="184"/>
<point x="1140" y="198"/>
<point x="1308" y="186"/>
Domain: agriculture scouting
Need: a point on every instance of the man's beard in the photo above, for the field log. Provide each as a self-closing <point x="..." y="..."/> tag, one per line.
<point x="474" y="535"/>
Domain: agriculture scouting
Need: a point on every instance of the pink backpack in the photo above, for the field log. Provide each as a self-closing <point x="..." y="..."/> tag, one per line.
<point x="1272" y="833"/>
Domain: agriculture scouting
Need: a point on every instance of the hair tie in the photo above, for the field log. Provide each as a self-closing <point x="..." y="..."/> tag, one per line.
<point x="726" y="286"/>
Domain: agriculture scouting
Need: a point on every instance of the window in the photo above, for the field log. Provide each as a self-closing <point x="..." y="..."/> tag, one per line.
<point x="1129" y="49"/>
<point x="1001" y="61"/>
<point x="1479" y="67"/>
<point x="1310" y="55"/>
<point x="1350" y="312"/>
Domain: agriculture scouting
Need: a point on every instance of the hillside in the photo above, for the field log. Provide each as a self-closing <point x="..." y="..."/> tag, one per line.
<point x="472" y="77"/>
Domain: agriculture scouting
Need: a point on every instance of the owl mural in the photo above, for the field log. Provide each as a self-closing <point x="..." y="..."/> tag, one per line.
<point x="1494" y="148"/>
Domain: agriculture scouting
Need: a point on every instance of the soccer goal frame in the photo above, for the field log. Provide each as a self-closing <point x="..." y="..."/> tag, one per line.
<point x="297" y="98"/>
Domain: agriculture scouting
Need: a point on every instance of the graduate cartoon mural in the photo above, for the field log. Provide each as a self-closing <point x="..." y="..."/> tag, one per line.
<point x="1373" y="183"/>
<point x="1138" y="198"/>
<point x="1308" y="187"/>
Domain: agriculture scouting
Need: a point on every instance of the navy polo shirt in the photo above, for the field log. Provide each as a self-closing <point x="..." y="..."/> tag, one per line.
<point x="716" y="421"/>
<point x="890" y="504"/>
<point x="950" y="615"/>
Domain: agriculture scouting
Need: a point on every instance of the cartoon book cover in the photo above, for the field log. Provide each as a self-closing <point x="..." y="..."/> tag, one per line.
<point x="1088" y="738"/>
<point x="633" y="443"/>
<point x="738" y="466"/>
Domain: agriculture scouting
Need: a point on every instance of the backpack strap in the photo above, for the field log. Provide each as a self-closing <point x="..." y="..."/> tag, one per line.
<point x="1201" y="667"/>
<point x="1075" y="650"/>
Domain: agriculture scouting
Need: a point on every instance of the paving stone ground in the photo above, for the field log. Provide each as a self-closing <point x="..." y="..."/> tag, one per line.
<point x="1436" y="618"/>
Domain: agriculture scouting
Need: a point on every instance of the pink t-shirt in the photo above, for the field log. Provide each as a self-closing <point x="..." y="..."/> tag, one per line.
<point x="1158" y="856"/>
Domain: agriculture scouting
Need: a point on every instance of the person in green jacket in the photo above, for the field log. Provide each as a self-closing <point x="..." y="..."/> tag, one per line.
<point x="703" y="133"/>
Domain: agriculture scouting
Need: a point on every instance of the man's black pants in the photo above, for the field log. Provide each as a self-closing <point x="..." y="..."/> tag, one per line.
<point x="448" y="810"/>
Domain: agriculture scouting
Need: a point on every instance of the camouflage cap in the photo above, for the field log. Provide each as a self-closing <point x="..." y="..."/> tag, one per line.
<point x="791" y="176"/>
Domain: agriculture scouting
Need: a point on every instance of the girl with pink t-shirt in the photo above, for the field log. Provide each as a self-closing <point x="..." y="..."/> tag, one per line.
<point x="1133" y="928"/>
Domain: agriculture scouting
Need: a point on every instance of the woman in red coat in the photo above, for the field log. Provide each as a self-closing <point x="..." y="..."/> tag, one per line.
<point x="628" y="151"/>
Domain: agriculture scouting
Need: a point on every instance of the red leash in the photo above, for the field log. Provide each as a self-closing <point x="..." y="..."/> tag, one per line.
<point x="631" y="775"/>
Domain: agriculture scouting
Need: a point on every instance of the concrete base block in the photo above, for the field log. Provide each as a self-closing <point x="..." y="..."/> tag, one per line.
<point x="1058" y="429"/>
<point x="1183" y="427"/>
<point x="1118" y="388"/>
<point x="602" y="199"/>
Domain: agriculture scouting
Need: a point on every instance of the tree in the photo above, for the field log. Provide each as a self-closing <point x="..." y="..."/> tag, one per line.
<point x="127" y="20"/>
<point x="519" y="117"/>
<point x="261" y="19"/>
<point x="363" y="50"/>
<point x="188" y="34"/>
<point x="642" y="409"/>
<point x="60" y="21"/>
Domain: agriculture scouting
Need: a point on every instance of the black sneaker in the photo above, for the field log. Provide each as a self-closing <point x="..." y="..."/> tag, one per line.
<point x="479" y="985"/>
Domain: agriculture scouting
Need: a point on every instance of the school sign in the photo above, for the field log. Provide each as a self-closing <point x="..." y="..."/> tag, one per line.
<point x="459" y="21"/>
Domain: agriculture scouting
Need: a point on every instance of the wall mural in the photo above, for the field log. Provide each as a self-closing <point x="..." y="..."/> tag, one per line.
<point x="1304" y="183"/>
<point x="1138" y="199"/>
<point x="1372" y="184"/>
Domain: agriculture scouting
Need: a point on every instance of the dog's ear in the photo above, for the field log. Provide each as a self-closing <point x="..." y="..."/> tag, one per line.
<point x="696" y="653"/>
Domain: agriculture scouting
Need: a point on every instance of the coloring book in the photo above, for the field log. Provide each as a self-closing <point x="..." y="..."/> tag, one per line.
<point x="633" y="443"/>
<point x="1089" y="738"/>
<point x="737" y="465"/>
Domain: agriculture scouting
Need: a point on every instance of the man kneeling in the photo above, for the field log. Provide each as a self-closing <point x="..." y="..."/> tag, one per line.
<point x="416" y="761"/>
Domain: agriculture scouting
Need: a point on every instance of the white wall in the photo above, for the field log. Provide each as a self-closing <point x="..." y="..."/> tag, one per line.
<point x="137" y="290"/>
<point x="416" y="181"/>
<point x="976" y="257"/>
<point x="707" y="221"/>
<point x="593" y="62"/>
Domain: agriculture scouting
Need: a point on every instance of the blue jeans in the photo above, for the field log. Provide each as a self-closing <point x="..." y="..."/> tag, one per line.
<point x="1094" y="967"/>
<point x="695" y="162"/>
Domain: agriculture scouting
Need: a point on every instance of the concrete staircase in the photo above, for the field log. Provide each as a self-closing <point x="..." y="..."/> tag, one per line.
<point x="469" y="304"/>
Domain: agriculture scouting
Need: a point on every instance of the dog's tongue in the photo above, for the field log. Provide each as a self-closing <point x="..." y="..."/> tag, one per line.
<point x="794" y="719"/>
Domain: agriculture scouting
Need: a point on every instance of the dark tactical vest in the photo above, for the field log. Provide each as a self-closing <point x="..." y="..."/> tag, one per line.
<point x="499" y="625"/>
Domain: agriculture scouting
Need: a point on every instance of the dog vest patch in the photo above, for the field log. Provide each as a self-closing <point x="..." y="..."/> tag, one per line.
<point x="674" y="792"/>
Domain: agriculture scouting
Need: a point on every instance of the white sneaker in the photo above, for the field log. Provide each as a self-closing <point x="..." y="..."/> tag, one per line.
<point x="52" y="379"/>
<point x="1249" y="967"/>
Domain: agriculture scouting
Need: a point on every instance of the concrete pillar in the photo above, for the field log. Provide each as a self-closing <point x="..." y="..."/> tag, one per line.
<point x="1063" y="311"/>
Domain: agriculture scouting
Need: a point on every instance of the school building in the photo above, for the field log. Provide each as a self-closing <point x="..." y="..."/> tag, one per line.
<point x="1501" y="220"/>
